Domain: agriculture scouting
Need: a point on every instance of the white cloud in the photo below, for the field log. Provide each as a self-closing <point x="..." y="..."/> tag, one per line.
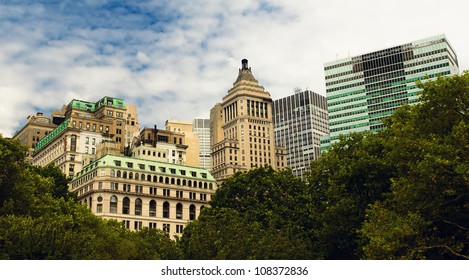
<point x="178" y="58"/>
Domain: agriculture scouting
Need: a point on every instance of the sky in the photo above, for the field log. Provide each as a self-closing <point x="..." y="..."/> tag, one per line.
<point x="176" y="59"/>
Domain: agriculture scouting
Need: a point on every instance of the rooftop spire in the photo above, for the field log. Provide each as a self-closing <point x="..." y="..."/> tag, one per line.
<point x="244" y="64"/>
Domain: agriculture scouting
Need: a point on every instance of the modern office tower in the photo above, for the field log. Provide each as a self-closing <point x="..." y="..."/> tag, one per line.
<point x="160" y="145"/>
<point x="73" y="143"/>
<point x="37" y="127"/>
<point x="190" y="138"/>
<point x="144" y="193"/>
<point x="299" y="122"/>
<point x="364" y="89"/>
<point x="242" y="130"/>
<point x="202" y="130"/>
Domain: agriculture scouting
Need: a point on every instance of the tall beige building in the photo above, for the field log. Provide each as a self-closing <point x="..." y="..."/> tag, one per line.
<point x="37" y="127"/>
<point x="242" y="130"/>
<point x="191" y="140"/>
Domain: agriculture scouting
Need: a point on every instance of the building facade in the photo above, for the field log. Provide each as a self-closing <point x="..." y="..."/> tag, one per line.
<point x="144" y="193"/>
<point x="202" y="130"/>
<point x="364" y="89"/>
<point x="160" y="145"/>
<point x="73" y="143"/>
<point x="299" y="122"/>
<point x="36" y="128"/>
<point x="242" y="130"/>
<point x="191" y="139"/>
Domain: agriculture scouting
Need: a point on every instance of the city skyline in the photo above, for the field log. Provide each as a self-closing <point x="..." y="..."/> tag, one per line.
<point x="154" y="55"/>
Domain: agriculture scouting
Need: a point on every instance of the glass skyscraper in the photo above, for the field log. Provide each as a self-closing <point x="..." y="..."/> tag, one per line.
<point x="299" y="122"/>
<point x="364" y="89"/>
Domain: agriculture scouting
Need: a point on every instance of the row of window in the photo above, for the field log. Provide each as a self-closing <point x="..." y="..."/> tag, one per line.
<point x="151" y="210"/>
<point x="161" y="179"/>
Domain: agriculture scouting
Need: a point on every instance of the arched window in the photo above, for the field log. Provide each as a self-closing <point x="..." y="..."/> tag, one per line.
<point x="118" y="174"/>
<point x="184" y="182"/>
<point x="138" y="207"/>
<point x="124" y="175"/>
<point x="149" y="178"/>
<point x="131" y="175"/>
<point x="160" y="179"/>
<point x="200" y="184"/>
<point x="178" y="182"/>
<point x="152" y="212"/>
<point x="201" y="208"/>
<point x="113" y="204"/>
<point x="137" y="176"/>
<point x="155" y="178"/>
<point x="189" y="183"/>
<point x="142" y="177"/>
<point x="179" y="211"/>
<point x="205" y="185"/>
<point x="126" y="205"/>
<point x="192" y="212"/>
<point x="113" y="173"/>
<point x="172" y="181"/>
<point x="210" y="186"/>
<point x="166" y="180"/>
<point x="166" y="209"/>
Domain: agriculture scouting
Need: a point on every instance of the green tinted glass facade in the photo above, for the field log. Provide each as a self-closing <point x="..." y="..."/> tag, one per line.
<point x="364" y="89"/>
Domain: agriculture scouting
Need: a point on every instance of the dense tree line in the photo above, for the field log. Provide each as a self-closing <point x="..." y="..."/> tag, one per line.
<point x="402" y="193"/>
<point x="40" y="220"/>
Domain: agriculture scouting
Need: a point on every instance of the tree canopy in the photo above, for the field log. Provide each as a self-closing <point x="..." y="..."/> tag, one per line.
<point x="41" y="221"/>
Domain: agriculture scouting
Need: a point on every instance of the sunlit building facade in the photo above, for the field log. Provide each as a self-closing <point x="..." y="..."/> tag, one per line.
<point x="364" y="89"/>
<point x="299" y="122"/>
<point x="144" y="193"/>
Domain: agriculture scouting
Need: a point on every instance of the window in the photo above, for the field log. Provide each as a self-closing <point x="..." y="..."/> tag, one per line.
<point x="166" y="192"/>
<point x="114" y="186"/>
<point x="152" y="225"/>
<point x="137" y="225"/>
<point x="179" y="194"/>
<point x="179" y="211"/>
<point x="99" y="208"/>
<point x="166" y="209"/>
<point x="87" y="140"/>
<point x="126" y="224"/>
<point x="179" y="228"/>
<point x="166" y="227"/>
<point x="152" y="212"/>
<point x="192" y="212"/>
<point x="126" y="206"/>
<point x="113" y="204"/>
<point x="138" y="207"/>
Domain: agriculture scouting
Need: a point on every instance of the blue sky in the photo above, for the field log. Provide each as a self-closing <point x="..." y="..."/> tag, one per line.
<point x="176" y="59"/>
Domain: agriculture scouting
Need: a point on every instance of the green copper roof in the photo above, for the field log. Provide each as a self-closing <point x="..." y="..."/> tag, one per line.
<point x="148" y="166"/>
<point x="52" y="135"/>
<point x="92" y="106"/>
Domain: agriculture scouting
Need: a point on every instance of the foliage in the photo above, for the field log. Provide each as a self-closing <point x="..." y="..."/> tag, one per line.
<point x="426" y="214"/>
<point x="259" y="214"/>
<point x="40" y="221"/>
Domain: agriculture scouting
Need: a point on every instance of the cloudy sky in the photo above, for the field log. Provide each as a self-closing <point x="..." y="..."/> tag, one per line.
<point x="176" y="59"/>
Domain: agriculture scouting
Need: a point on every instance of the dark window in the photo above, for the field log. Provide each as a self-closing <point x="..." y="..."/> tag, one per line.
<point x="152" y="212"/>
<point x="192" y="212"/>
<point x="126" y="205"/>
<point x="166" y="209"/>
<point x="138" y="207"/>
<point x="179" y="211"/>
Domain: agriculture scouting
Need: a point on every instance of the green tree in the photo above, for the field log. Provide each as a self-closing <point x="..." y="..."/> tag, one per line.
<point x="40" y="221"/>
<point x="343" y="182"/>
<point x="259" y="214"/>
<point x="426" y="214"/>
